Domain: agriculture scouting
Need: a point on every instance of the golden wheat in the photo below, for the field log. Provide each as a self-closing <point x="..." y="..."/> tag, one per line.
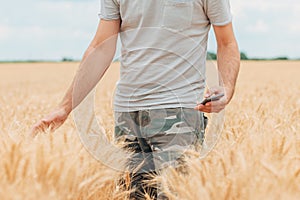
<point x="257" y="157"/>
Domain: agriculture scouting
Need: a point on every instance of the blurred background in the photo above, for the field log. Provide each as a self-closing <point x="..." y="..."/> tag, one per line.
<point x="56" y="30"/>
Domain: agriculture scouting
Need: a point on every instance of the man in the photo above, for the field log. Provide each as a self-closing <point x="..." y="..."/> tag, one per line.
<point x="157" y="110"/>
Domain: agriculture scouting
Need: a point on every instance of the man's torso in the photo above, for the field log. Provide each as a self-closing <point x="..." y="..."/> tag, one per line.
<point x="164" y="46"/>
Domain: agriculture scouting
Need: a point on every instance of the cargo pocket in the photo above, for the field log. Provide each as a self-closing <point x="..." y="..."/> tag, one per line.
<point x="202" y="127"/>
<point x="178" y="14"/>
<point x="205" y="121"/>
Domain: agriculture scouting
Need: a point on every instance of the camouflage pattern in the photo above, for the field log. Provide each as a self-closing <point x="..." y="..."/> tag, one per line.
<point x="157" y="138"/>
<point x="159" y="134"/>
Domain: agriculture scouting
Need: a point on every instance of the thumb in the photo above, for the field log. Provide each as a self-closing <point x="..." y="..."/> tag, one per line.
<point x="209" y="92"/>
<point x="212" y="91"/>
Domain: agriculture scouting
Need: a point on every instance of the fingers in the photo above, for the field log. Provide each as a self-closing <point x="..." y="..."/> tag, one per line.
<point x="40" y="126"/>
<point x="50" y="123"/>
<point x="209" y="109"/>
<point x="212" y="107"/>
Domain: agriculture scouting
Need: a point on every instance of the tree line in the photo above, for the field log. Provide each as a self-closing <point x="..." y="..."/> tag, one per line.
<point x="243" y="55"/>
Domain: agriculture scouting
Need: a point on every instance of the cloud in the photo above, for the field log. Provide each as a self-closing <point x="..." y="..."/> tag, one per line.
<point x="267" y="28"/>
<point x="51" y="29"/>
<point x="46" y="29"/>
<point x="258" y="27"/>
<point x="263" y="6"/>
<point x="294" y="28"/>
<point x="5" y="32"/>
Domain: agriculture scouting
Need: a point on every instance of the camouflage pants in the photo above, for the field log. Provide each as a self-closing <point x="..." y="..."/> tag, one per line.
<point x="157" y="138"/>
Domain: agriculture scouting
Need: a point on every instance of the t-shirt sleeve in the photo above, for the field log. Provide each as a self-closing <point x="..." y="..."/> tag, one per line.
<point x="109" y="9"/>
<point x="218" y="12"/>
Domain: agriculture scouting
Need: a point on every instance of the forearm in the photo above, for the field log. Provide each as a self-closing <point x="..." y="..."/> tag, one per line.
<point x="228" y="66"/>
<point x="93" y="66"/>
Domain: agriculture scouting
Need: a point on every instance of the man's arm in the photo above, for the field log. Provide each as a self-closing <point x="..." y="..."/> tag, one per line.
<point x="228" y="59"/>
<point x="96" y="60"/>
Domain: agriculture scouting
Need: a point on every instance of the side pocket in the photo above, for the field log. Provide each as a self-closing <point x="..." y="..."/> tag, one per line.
<point x="205" y="121"/>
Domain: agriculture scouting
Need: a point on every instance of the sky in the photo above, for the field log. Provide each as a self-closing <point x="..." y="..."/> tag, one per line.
<point x="53" y="29"/>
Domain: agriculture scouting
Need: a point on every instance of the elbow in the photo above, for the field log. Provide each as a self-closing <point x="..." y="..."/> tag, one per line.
<point x="230" y="46"/>
<point x="230" y="51"/>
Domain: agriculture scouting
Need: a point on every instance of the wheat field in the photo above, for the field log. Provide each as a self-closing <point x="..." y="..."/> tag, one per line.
<point x="257" y="156"/>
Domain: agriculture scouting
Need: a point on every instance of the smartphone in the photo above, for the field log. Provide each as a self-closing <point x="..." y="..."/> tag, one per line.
<point x="212" y="98"/>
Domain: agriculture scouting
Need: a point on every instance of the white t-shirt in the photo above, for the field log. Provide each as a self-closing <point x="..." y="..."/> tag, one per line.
<point x="164" y="45"/>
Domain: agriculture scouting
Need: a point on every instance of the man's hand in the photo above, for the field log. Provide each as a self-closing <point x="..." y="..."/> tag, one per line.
<point x="52" y="121"/>
<point x="95" y="62"/>
<point x="228" y="66"/>
<point x="214" y="106"/>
